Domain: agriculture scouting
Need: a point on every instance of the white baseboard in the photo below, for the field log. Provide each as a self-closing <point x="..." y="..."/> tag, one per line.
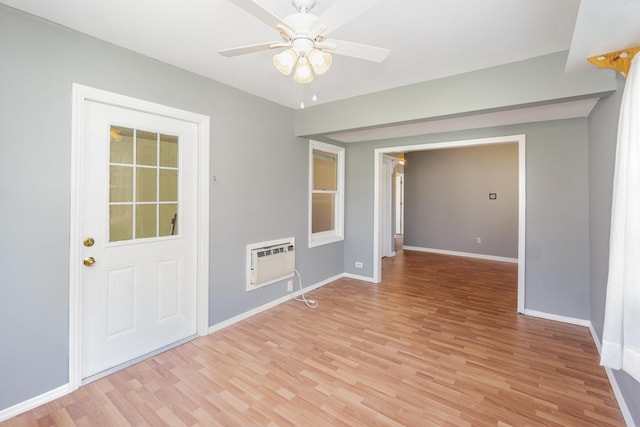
<point x="596" y="341"/>
<point x="557" y="318"/>
<point x="34" y="402"/>
<point x="358" y="277"/>
<point x="624" y="409"/>
<point x="462" y="254"/>
<point x="264" y="307"/>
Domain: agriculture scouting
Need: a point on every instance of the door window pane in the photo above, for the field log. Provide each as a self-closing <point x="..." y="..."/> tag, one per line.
<point x="120" y="222"/>
<point x="146" y="221"/>
<point x="120" y="184"/>
<point x="168" y="225"/>
<point x="169" y="151"/>
<point x="146" y="148"/>
<point x="146" y="185"/>
<point x="168" y="185"/>
<point x="143" y="184"/>
<point x="121" y="145"/>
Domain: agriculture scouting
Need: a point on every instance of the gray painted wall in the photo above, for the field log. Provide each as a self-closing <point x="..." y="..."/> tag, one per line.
<point x="447" y="201"/>
<point x="533" y="81"/>
<point x="557" y="204"/>
<point x="251" y="139"/>
<point x="603" y="129"/>
<point x="41" y="60"/>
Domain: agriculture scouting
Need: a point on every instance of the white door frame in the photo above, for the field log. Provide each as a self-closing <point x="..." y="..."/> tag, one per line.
<point x="80" y="96"/>
<point x="387" y="165"/>
<point x="519" y="139"/>
<point x="399" y="204"/>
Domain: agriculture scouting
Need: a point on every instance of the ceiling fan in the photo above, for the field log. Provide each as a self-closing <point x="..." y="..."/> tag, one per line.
<point x="304" y="37"/>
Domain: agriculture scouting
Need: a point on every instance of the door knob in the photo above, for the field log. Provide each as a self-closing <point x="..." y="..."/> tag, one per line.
<point x="89" y="261"/>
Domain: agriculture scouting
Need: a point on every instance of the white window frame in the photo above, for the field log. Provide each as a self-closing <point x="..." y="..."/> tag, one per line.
<point x="337" y="234"/>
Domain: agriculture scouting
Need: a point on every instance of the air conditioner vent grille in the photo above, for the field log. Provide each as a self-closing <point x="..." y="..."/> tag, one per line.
<point x="270" y="262"/>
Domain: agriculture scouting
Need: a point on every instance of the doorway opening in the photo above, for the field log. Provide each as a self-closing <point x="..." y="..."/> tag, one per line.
<point x="380" y="179"/>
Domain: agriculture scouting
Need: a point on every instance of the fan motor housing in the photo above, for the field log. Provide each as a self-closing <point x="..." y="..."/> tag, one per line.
<point x="303" y="5"/>
<point x="300" y="23"/>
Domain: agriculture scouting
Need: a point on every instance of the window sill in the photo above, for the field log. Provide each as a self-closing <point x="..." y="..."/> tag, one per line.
<point x="315" y="241"/>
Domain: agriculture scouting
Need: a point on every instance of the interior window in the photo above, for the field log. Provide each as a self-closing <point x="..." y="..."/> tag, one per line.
<point x="326" y="195"/>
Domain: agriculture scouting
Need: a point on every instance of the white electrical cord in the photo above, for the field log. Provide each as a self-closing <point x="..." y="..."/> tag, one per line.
<point x="309" y="302"/>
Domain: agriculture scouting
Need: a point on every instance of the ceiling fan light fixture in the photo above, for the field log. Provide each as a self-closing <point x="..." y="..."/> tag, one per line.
<point x="285" y="61"/>
<point x="303" y="72"/>
<point x="305" y="37"/>
<point x="320" y="61"/>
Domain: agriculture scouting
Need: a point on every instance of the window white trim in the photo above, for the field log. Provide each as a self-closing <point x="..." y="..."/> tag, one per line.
<point x="337" y="234"/>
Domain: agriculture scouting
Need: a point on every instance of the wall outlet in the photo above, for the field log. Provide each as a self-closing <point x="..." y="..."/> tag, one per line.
<point x="358" y="264"/>
<point x="289" y="285"/>
<point x="478" y="240"/>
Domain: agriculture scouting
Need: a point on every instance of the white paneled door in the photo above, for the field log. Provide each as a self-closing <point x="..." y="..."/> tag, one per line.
<point x="138" y="225"/>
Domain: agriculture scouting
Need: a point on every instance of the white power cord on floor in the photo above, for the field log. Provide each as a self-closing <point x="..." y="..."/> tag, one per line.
<point x="309" y="302"/>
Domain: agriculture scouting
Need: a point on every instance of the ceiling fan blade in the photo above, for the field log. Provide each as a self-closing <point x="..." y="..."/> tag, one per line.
<point x="357" y="50"/>
<point x="242" y="50"/>
<point x="339" y="14"/>
<point x="260" y="12"/>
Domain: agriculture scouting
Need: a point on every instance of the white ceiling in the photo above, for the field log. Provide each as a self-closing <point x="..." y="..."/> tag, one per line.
<point x="428" y="39"/>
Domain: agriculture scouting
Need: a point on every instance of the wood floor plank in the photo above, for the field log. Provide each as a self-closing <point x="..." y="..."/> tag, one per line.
<point x="437" y="343"/>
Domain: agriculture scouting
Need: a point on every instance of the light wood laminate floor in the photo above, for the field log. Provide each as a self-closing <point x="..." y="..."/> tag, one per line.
<point x="437" y="343"/>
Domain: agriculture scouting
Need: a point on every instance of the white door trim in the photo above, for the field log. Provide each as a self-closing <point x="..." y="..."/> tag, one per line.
<point x="386" y="215"/>
<point x="399" y="204"/>
<point x="80" y="95"/>
<point x="522" y="196"/>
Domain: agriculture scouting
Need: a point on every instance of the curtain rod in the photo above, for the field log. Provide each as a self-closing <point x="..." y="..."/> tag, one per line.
<point x="619" y="60"/>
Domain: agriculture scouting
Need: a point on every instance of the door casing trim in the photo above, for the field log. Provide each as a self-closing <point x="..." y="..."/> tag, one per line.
<point x="80" y="95"/>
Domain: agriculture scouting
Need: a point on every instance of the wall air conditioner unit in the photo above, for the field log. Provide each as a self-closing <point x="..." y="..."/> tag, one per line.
<point x="270" y="262"/>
